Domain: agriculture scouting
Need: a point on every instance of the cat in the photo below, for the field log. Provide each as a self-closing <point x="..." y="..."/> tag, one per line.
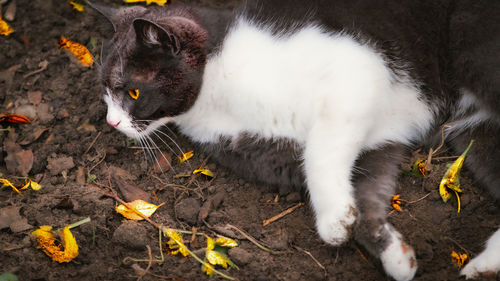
<point x="326" y="94"/>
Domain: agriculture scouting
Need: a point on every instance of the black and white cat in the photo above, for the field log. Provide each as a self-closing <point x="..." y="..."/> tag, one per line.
<point x="346" y="85"/>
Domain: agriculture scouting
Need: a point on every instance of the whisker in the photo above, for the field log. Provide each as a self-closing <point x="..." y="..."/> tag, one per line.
<point x="175" y="143"/>
<point x="162" y="155"/>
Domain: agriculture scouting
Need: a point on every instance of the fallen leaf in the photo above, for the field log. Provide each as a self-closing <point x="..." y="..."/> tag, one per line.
<point x="14" y="118"/>
<point x="216" y="253"/>
<point x="175" y="245"/>
<point x="459" y="259"/>
<point x="396" y="202"/>
<point x="48" y="242"/>
<point x="77" y="6"/>
<point x="10" y="217"/>
<point x="157" y="2"/>
<point x="18" y="160"/>
<point x="205" y="172"/>
<point x="5" y="28"/>
<point x="185" y="156"/>
<point x="81" y="53"/>
<point x="450" y="180"/>
<point x="137" y="206"/>
<point x="34" y="136"/>
<point x="10" y="11"/>
<point x="58" y="164"/>
<point x="163" y="163"/>
<point x="129" y="191"/>
<point x="86" y="126"/>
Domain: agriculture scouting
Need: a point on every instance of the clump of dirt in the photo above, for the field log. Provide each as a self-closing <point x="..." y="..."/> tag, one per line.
<point x="74" y="152"/>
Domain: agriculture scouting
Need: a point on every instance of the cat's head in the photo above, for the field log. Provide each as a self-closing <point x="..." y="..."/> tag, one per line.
<point x="152" y="67"/>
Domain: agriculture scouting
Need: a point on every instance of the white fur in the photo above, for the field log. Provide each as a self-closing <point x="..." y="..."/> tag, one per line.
<point x="326" y="91"/>
<point x="398" y="258"/>
<point x="487" y="262"/>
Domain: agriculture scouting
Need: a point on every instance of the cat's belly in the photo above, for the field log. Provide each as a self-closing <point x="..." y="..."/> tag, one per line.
<point x="276" y="162"/>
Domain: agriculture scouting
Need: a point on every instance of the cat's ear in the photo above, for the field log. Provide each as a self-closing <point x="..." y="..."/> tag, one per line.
<point x="152" y="35"/>
<point x="108" y="12"/>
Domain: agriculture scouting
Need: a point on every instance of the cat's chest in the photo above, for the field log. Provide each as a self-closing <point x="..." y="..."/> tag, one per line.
<point x="280" y="87"/>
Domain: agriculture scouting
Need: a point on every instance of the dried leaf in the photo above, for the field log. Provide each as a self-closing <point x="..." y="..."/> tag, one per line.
<point x="60" y="252"/>
<point x="396" y="202"/>
<point x="205" y="172"/>
<point x="10" y="217"/>
<point x="175" y="245"/>
<point x="459" y="259"/>
<point x="163" y="163"/>
<point x="81" y="53"/>
<point x="14" y="118"/>
<point x="137" y="206"/>
<point x="419" y="168"/>
<point x="185" y="156"/>
<point x="18" y="160"/>
<point x="215" y="253"/>
<point x="157" y="2"/>
<point x="450" y="180"/>
<point x="5" y="28"/>
<point x="77" y="6"/>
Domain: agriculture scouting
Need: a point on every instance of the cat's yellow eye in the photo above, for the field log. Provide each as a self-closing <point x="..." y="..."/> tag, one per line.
<point x="134" y="93"/>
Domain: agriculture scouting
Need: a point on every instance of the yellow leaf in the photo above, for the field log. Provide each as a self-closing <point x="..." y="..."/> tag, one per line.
<point x="205" y="172"/>
<point x="60" y="252"/>
<point x="226" y="242"/>
<point x="396" y="202"/>
<point x="208" y="269"/>
<point x="5" y="28"/>
<point x="157" y="2"/>
<point x="185" y="156"/>
<point x="6" y="182"/>
<point x="450" y="180"/>
<point x="217" y="257"/>
<point x="81" y="52"/>
<point x="459" y="259"/>
<point x="77" y="6"/>
<point x="175" y="244"/>
<point x="31" y="184"/>
<point x="137" y="206"/>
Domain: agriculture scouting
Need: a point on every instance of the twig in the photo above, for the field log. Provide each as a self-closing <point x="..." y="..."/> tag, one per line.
<point x="282" y="214"/>
<point x="460" y="246"/>
<point x="92" y="143"/>
<point x="150" y="262"/>
<point x="43" y="65"/>
<point x="418" y="200"/>
<point x="313" y="258"/>
<point x="254" y="241"/>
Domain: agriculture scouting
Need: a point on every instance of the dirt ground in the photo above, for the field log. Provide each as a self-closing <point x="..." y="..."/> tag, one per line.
<point x="74" y="151"/>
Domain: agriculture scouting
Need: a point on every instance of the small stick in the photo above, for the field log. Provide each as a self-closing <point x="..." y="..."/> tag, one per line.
<point x="253" y="240"/>
<point x="418" y="200"/>
<point x="460" y="246"/>
<point x="150" y="262"/>
<point x="282" y="214"/>
<point x="92" y="143"/>
<point x="313" y="258"/>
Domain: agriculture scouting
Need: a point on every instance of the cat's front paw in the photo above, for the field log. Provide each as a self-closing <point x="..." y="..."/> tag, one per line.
<point x="335" y="227"/>
<point x="398" y="258"/>
<point x="482" y="266"/>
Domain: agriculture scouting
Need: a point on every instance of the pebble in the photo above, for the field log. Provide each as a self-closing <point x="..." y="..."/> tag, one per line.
<point x="131" y="235"/>
<point x="188" y="210"/>
<point x="240" y="256"/>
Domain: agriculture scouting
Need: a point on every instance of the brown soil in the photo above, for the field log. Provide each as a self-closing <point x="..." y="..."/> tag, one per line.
<point x="72" y="159"/>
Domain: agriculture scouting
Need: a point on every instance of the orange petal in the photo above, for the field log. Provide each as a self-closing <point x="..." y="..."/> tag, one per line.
<point x="137" y="208"/>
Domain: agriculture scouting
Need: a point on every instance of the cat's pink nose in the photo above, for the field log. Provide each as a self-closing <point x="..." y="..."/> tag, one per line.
<point x="113" y="123"/>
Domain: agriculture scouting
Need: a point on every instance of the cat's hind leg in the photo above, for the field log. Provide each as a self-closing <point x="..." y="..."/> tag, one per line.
<point x="484" y="160"/>
<point x="374" y="181"/>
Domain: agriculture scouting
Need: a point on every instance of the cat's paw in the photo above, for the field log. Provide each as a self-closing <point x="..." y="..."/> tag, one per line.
<point x="482" y="266"/>
<point x="399" y="259"/>
<point x="335" y="227"/>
